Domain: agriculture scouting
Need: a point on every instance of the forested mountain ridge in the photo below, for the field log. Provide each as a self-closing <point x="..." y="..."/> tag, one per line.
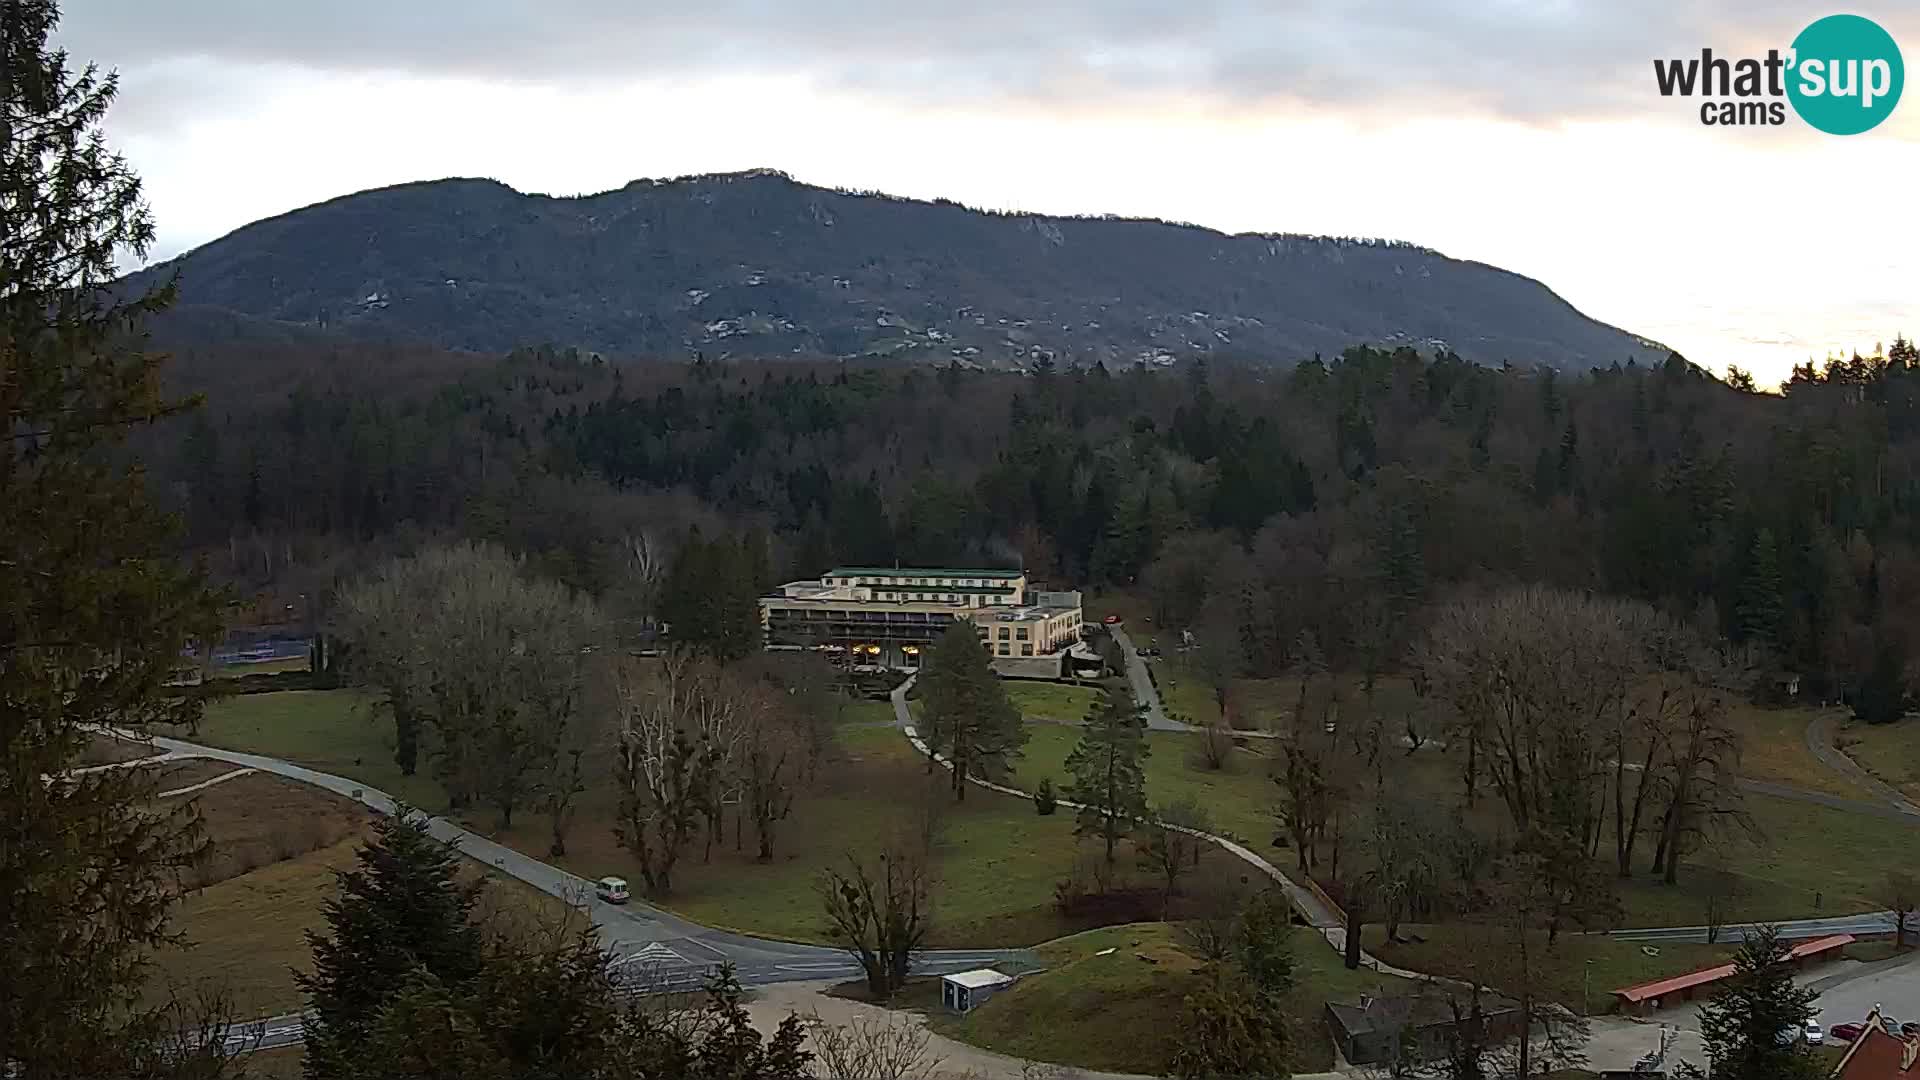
<point x="757" y="264"/>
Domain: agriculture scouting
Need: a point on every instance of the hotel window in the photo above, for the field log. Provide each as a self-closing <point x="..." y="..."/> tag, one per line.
<point x="1003" y="649"/>
<point x="1022" y="634"/>
<point x="1004" y="632"/>
<point x="1026" y="650"/>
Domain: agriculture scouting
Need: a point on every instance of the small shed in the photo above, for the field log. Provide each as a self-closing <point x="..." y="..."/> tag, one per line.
<point x="965" y="991"/>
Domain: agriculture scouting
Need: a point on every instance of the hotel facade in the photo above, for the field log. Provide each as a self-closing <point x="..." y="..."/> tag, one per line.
<point x="886" y="616"/>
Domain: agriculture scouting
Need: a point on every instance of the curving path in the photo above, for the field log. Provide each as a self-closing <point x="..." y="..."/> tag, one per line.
<point x="1820" y="745"/>
<point x="662" y="949"/>
<point x="1311" y="905"/>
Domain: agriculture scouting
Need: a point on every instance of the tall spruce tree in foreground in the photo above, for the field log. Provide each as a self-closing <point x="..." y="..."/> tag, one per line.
<point x="967" y="716"/>
<point x="1108" y="780"/>
<point x="1751" y="1027"/>
<point x="408" y="986"/>
<point x="402" y="915"/>
<point x="94" y="610"/>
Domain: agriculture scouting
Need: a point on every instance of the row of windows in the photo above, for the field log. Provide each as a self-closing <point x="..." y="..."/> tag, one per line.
<point x="945" y="598"/>
<point x="950" y="582"/>
<point x="1006" y="650"/>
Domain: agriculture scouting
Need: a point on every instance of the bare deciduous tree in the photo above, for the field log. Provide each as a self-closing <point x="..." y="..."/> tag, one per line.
<point x="1901" y="893"/>
<point x="879" y="910"/>
<point x="1534" y="675"/>
<point x="892" y="1046"/>
<point x="1174" y="846"/>
<point x="464" y="638"/>
<point x="663" y="770"/>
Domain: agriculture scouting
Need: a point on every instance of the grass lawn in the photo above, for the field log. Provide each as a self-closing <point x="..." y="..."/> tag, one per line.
<point x="1239" y="798"/>
<point x="1123" y="1013"/>
<point x="1263" y="704"/>
<point x="998" y="860"/>
<point x="1809" y="861"/>
<point x="1803" y="849"/>
<point x="336" y="731"/>
<point x="1456" y="949"/>
<point x="284" y="1063"/>
<point x="1775" y="750"/>
<point x="1888" y="751"/>
<point x="1059" y="703"/>
<point x="868" y="712"/>
<point x="247" y="933"/>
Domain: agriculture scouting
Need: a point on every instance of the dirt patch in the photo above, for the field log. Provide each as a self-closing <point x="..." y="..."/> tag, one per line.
<point x="106" y="750"/>
<point x="260" y="819"/>
<point x="186" y="772"/>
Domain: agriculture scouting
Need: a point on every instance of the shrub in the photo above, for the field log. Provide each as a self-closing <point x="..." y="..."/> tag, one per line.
<point x="1044" y="800"/>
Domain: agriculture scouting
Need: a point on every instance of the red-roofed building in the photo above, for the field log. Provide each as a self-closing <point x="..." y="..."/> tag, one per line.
<point x="1662" y="992"/>
<point x="1876" y="1055"/>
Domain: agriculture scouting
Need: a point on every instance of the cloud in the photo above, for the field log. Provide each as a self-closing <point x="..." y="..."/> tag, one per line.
<point x="1531" y="60"/>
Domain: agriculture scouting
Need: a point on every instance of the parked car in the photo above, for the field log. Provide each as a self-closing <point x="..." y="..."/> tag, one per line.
<point x="1910" y="1029"/>
<point x="1847" y="1032"/>
<point x="1814" y="1033"/>
<point x="611" y="889"/>
<point x="1142" y="651"/>
<point x="1889" y="1025"/>
<point x="1111" y="620"/>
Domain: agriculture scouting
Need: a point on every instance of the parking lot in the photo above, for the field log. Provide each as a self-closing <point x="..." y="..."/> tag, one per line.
<point x="1848" y="995"/>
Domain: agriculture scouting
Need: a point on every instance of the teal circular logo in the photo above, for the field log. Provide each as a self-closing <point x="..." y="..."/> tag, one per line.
<point x="1845" y="75"/>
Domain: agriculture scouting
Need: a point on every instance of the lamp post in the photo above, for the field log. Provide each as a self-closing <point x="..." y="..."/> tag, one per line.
<point x="1586" y="991"/>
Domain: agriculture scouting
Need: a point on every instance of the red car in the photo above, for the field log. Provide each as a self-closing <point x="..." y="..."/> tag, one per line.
<point x="1112" y="620"/>
<point x="1845" y="1032"/>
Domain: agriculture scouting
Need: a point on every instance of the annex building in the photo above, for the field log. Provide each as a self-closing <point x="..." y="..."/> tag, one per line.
<point x="885" y="616"/>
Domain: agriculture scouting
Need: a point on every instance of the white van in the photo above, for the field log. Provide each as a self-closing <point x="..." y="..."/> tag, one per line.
<point x="611" y="889"/>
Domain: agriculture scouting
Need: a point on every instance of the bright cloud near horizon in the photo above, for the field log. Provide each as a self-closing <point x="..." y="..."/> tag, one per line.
<point x="1523" y="133"/>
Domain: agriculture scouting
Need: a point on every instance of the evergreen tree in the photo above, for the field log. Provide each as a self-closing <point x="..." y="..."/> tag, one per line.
<point x="1882" y="697"/>
<point x="1760" y="611"/>
<point x="1751" y="1026"/>
<point x="1263" y="945"/>
<point x="711" y="596"/>
<point x="95" y="611"/>
<point x="967" y="716"/>
<point x="1106" y="766"/>
<point x="1231" y="1031"/>
<point x="1402" y="563"/>
<point x="401" y="914"/>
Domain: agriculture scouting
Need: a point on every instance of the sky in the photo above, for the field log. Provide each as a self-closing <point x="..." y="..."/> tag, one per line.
<point x="1528" y="134"/>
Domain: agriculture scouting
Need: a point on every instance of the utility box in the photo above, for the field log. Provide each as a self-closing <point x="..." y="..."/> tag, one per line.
<point x="965" y="991"/>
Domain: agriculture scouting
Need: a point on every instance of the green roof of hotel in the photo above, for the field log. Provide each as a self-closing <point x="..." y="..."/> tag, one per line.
<point x="914" y="571"/>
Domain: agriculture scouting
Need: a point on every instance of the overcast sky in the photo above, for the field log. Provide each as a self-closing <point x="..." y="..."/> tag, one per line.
<point x="1523" y="133"/>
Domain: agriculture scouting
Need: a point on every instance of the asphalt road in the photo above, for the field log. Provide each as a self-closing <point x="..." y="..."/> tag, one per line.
<point x="1141" y="680"/>
<point x="1878" y="922"/>
<point x="653" y="949"/>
